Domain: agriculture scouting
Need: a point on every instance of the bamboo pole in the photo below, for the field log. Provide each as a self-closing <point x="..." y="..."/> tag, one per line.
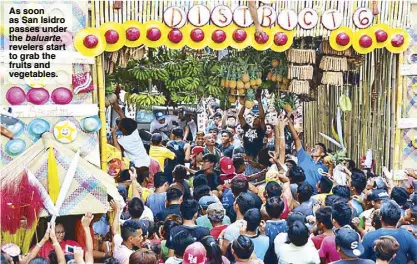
<point x="399" y="104"/>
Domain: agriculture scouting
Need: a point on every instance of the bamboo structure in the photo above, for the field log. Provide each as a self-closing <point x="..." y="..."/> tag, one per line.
<point x="372" y="122"/>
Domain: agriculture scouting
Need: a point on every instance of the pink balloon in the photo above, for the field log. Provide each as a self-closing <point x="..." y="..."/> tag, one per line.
<point x="15" y="95"/>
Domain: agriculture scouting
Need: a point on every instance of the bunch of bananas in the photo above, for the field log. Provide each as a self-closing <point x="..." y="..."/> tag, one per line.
<point x="145" y="99"/>
<point x="183" y="98"/>
<point x="143" y="73"/>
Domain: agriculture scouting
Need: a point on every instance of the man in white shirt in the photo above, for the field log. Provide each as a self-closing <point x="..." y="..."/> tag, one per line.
<point x="130" y="142"/>
<point x="163" y="123"/>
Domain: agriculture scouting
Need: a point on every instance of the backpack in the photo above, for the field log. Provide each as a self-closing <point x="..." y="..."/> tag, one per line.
<point x="178" y="149"/>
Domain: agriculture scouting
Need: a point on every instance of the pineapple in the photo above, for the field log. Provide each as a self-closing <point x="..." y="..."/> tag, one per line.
<point x="232" y="99"/>
<point x="223" y="83"/>
<point x="240" y="84"/>
<point x="242" y="100"/>
<point x="250" y="97"/>
<point x="283" y="87"/>
<point x="241" y="91"/>
<point x="285" y="80"/>
<point x="269" y="76"/>
<point x="274" y="77"/>
<point x="275" y="63"/>
<point x="258" y="81"/>
<point x="226" y="83"/>
<point x="252" y="82"/>
<point x="245" y="77"/>
<point x="232" y="91"/>
<point x="232" y="84"/>
<point x="279" y="78"/>
<point x="247" y="85"/>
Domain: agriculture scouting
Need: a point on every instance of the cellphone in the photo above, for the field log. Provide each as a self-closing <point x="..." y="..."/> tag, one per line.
<point x="69" y="249"/>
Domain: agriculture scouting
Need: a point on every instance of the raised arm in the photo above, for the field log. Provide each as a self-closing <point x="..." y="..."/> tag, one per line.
<point x="35" y="250"/>
<point x="294" y="134"/>
<point x="116" y="222"/>
<point x="86" y="221"/>
<point x="242" y="120"/>
<point x="281" y="140"/>
<point x="114" y="136"/>
<point x="254" y="14"/>
<point x="118" y="110"/>
<point x="58" y="250"/>
<point x="135" y="185"/>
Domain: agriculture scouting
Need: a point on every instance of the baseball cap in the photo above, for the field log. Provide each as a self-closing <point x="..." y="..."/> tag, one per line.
<point x="195" y="254"/>
<point x="379" y="194"/>
<point x="217" y="115"/>
<point x="215" y="212"/>
<point x="156" y="137"/>
<point x="205" y="201"/>
<point x="226" y="165"/>
<point x="196" y="150"/>
<point x="349" y="242"/>
<point x="159" y="116"/>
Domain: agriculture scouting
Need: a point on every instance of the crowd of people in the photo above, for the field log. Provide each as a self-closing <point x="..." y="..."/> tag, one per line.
<point x="245" y="190"/>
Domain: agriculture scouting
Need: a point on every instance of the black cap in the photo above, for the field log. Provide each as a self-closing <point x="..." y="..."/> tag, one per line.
<point x="349" y="242"/>
<point x="156" y="137"/>
<point x="124" y="176"/>
<point x="379" y="194"/>
<point x="217" y="115"/>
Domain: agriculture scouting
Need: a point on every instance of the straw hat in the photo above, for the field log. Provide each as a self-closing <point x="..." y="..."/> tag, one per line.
<point x="399" y="40"/>
<point x="219" y="38"/>
<point x="282" y="39"/>
<point x="197" y="37"/>
<point x="241" y="37"/>
<point x="267" y="36"/>
<point x="382" y="34"/>
<point x="156" y="33"/>
<point x="364" y="41"/>
<point x="341" y="38"/>
<point x="176" y="38"/>
<point x="135" y="33"/>
<point x="114" y="34"/>
<point x="90" y="42"/>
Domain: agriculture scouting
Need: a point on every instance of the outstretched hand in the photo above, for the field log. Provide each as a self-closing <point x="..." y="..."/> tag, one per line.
<point x="86" y="220"/>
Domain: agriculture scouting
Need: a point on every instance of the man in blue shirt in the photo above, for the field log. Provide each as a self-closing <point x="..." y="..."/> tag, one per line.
<point x="390" y="215"/>
<point x="312" y="165"/>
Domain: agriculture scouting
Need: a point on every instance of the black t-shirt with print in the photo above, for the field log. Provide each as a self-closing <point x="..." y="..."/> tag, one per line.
<point x="252" y="140"/>
<point x="198" y="232"/>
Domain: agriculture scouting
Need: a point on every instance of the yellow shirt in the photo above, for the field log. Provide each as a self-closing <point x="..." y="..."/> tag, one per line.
<point x="321" y="197"/>
<point x="161" y="154"/>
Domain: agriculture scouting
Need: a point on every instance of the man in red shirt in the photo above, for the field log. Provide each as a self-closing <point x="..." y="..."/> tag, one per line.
<point x="215" y="213"/>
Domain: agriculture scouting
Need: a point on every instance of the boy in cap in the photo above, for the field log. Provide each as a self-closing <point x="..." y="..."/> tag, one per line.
<point x="218" y="220"/>
<point x="377" y="197"/>
<point x="349" y="247"/>
<point x="195" y="254"/>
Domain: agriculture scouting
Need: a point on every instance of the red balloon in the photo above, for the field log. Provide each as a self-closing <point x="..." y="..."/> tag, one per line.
<point x="132" y="34"/>
<point x="365" y="41"/>
<point x="197" y="34"/>
<point x="153" y="34"/>
<point x="239" y="35"/>
<point x="175" y="35"/>
<point x="342" y="39"/>
<point x="90" y="41"/>
<point x="397" y="40"/>
<point x="111" y="36"/>
<point x="381" y="35"/>
<point x="218" y="36"/>
<point x="262" y="38"/>
<point x="280" y="39"/>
